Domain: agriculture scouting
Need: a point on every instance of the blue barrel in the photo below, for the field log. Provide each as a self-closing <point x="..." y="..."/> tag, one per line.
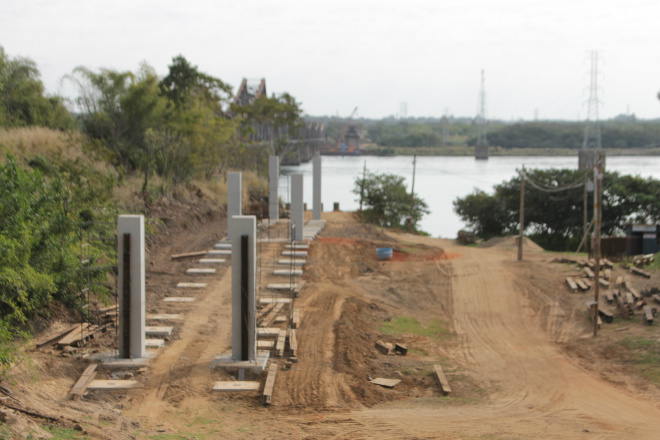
<point x="384" y="253"/>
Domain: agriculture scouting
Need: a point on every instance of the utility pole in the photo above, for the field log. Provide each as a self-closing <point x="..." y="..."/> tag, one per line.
<point x="412" y="194"/>
<point x="598" y="199"/>
<point x="522" y="213"/>
<point x="364" y="176"/>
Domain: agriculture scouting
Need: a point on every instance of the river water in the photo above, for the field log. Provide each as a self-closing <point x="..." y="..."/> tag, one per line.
<point x="438" y="180"/>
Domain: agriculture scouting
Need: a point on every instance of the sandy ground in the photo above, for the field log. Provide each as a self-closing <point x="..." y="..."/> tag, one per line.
<point x="516" y="348"/>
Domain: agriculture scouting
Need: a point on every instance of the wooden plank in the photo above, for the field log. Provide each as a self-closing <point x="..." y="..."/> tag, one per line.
<point x="571" y="283"/>
<point x="607" y="274"/>
<point x="295" y="320"/>
<point x="605" y="315"/>
<point x="184" y="299"/>
<point x="648" y="315"/>
<point x="581" y="285"/>
<point x="609" y="296"/>
<point x="656" y="298"/>
<point x="274" y="300"/>
<point x="76" y="335"/>
<point x="587" y="282"/>
<point x="444" y="383"/>
<point x="281" y="341"/>
<point x="383" y="347"/>
<point x="588" y="272"/>
<point x="297" y="262"/>
<point x="158" y="330"/>
<point x="200" y="271"/>
<point x="640" y="272"/>
<point x="288" y="272"/>
<point x="387" y="383"/>
<point x="191" y="285"/>
<point x="604" y="283"/>
<point x="108" y="385"/>
<point x="53" y="337"/>
<point x="263" y="314"/>
<point x="164" y="317"/>
<point x="236" y="385"/>
<point x="619" y="281"/>
<point x="188" y="255"/>
<point x="623" y="308"/>
<point x="264" y="332"/>
<point x="211" y="261"/>
<point x="270" y="383"/>
<point x="293" y="343"/>
<point x="265" y="345"/>
<point x="401" y="349"/>
<point x="83" y="382"/>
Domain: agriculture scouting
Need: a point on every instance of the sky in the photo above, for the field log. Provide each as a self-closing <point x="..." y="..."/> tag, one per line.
<point x="336" y="55"/>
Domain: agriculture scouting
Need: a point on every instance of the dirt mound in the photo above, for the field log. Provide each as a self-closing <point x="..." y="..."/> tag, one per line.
<point x="510" y="241"/>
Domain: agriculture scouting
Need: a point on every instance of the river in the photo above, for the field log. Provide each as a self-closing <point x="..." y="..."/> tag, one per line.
<point x="439" y="180"/>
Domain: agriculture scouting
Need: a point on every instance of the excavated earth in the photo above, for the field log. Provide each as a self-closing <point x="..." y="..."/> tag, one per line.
<point x="514" y="342"/>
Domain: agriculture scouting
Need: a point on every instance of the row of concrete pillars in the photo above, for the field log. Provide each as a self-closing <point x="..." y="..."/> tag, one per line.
<point x="242" y="232"/>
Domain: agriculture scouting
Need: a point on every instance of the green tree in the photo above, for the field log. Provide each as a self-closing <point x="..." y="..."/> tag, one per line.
<point x="22" y="99"/>
<point x="554" y="219"/>
<point x="386" y="200"/>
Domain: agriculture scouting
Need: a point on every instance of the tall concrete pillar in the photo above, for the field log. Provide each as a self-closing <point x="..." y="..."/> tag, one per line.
<point x="234" y="199"/>
<point x="131" y="291"/>
<point x="243" y="287"/>
<point x="297" y="212"/>
<point x="273" y="182"/>
<point x="317" y="205"/>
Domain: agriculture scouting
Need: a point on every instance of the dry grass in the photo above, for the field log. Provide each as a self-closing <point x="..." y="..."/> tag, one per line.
<point x="27" y="142"/>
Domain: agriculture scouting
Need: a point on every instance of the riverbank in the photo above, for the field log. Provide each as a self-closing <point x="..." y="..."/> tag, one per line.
<point x="464" y="150"/>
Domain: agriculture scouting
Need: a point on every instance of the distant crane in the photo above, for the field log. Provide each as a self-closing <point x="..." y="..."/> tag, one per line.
<point x="337" y="148"/>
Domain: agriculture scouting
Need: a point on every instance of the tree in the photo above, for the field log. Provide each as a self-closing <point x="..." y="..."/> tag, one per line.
<point x="22" y="99"/>
<point x="554" y="219"/>
<point x="386" y="200"/>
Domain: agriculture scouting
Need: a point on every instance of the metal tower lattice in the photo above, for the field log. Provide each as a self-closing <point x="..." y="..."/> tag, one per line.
<point x="592" y="138"/>
<point x="481" y="150"/>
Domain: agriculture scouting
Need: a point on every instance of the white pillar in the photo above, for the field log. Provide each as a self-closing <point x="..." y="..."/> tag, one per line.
<point x="133" y="227"/>
<point x="297" y="213"/>
<point x="273" y="182"/>
<point x="317" y="204"/>
<point x="234" y="199"/>
<point x="243" y="313"/>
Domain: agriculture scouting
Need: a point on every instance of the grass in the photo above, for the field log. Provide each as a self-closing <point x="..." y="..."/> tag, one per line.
<point x="645" y="355"/>
<point x="403" y="324"/>
<point x="63" y="433"/>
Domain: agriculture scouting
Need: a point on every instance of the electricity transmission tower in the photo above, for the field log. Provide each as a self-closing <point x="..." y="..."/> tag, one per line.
<point x="592" y="138"/>
<point x="481" y="149"/>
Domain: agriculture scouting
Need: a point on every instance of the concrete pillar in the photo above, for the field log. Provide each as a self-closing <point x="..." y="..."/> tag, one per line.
<point x="297" y="213"/>
<point x="273" y="182"/>
<point x="317" y="205"/>
<point x="234" y="199"/>
<point x="131" y="291"/>
<point x="243" y="288"/>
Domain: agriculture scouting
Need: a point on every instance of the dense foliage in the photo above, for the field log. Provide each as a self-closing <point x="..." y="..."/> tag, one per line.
<point x="555" y="220"/>
<point x="420" y="134"/>
<point x="386" y="201"/>
<point x="22" y="100"/>
<point x="42" y="215"/>
<point x="547" y="135"/>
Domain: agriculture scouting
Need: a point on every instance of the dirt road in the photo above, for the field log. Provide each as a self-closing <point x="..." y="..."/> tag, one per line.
<point x="533" y="389"/>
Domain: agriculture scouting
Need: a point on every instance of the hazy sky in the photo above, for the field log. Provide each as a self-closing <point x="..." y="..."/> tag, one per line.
<point x="336" y="55"/>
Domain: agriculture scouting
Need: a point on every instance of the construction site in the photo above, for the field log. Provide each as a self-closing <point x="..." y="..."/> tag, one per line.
<point x="300" y="327"/>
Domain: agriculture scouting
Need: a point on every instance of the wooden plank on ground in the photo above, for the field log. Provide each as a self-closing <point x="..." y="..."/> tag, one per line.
<point x="604" y="283"/>
<point x="83" y="382"/>
<point x="648" y="315"/>
<point x="55" y="336"/>
<point x="266" y="332"/>
<point x="108" y="385"/>
<point x="656" y="298"/>
<point x="444" y="383"/>
<point x="191" y="285"/>
<point x="295" y="320"/>
<point x="188" y="255"/>
<point x="270" y="383"/>
<point x="164" y="317"/>
<point x="387" y="383"/>
<point x="588" y="272"/>
<point x="268" y="321"/>
<point x="619" y="281"/>
<point x="571" y="283"/>
<point x="76" y="335"/>
<point x="609" y="296"/>
<point x="607" y="274"/>
<point x="235" y="385"/>
<point x="281" y="341"/>
<point x="581" y="284"/>
<point x="605" y="315"/>
<point x="265" y="345"/>
<point x="293" y="343"/>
